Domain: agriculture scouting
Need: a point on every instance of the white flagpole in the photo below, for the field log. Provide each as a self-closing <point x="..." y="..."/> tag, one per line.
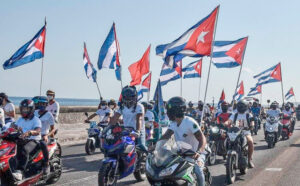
<point x="42" y="66"/>
<point x="211" y="53"/>
<point x="281" y="85"/>
<point x="199" y="91"/>
<point x="98" y="90"/>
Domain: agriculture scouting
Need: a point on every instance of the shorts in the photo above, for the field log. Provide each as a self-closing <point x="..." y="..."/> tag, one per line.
<point x="246" y="132"/>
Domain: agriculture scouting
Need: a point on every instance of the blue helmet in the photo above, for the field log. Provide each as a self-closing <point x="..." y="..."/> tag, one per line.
<point x="40" y="102"/>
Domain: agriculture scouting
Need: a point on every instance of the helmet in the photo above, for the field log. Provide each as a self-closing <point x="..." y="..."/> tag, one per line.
<point x="274" y="105"/>
<point x="27" y="108"/>
<point x="241" y="107"/>
<point x="287" y="107"/>
<point x="129" y="96"/>
<point x="1" y="100"/>
<point x="224" y="107"/>
<point x="40" y="102"/>
<point x="4" y="97"/>
<point x="50" y="92"/>
<point x="255" y="104"/>
<point x="112" y="104"/>
<point x="176" y="108"/>
<point x="145" y="104"/>
<point x="200" y="105"/>
<point x="191" y="104"/>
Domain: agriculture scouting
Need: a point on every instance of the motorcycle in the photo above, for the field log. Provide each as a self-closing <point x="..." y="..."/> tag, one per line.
<point x="237" y="153"/>
<point x="171" y="163"/>
<point x="271" y="131"/>
<point x="256" y="126"/>
<point x="34" y="170"/>
<point x="286" y="127"/>
<point x="94" y="134"/>
<point x="122" y="156"/>
<point x="217" y="136"/>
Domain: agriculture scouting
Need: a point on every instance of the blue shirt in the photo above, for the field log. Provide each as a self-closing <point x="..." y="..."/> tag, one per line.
<point x="28" y="125"/>
<point x="255" y="111"/>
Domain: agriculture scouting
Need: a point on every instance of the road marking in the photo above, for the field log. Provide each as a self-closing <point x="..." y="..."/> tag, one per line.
<point x="79" y="180"/>
<point x="273" y="169"/>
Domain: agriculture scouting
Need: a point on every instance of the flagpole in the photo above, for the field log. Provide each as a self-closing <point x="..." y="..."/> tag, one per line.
<point x="98" y="90"/>
<point x="199" y="89"/>
<point x="42" y="66"/>
<point x="238" y="80"/>
<point x="211" y="53"/>
<point x="281" y="85"/>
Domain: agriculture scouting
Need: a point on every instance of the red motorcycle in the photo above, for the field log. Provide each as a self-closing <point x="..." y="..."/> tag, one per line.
<point x="286" y="127"/>
<point x="34" y="170"/>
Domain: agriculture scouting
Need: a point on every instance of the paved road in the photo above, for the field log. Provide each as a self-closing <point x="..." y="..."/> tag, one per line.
<point x="278" y="166"/>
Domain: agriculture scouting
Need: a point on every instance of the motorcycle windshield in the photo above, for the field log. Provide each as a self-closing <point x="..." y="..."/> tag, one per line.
<point x="165" y="149"/>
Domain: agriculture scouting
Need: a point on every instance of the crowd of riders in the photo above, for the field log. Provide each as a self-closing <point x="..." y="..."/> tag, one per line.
<point x="187" y="122"/>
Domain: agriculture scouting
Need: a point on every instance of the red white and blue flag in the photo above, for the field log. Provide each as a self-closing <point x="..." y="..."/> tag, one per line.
<point x="32" y="50"/>
<point x="270" y="75"/>
<point x="145" y="87"/>
<point x="109" y="53"/>
<point x="193" y="70"/>
<point x="240" y="92"/>
<point x="90" y="71"/>
<point x="168" y="74"/>
<point x="195" y="42"/>
<point x="222" y="99"/>
<point x="229" y="54"/>
<point x="255" y="90"/>
<point x="290" y="94"/>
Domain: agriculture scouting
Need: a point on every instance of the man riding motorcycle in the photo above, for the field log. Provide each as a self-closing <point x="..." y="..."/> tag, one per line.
<point x="255" y="111"/>
<point x="190" y="111"/>
<point x="104" y="113"/>
<point x="291" y="114"/>
<point x="186" y="129"/>
<point x="224" y="115"/>
<point x="53" y="105"/>
<point x="275" y="112"/>
<point x="201" y="110"/>
<point x="243" y="120"/>
<point x="31" y="128"/>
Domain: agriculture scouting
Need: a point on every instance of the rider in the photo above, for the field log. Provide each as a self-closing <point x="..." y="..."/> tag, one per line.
<point x="53" y="105"/>
<point x="47" y="130"/>
<point x="8" y="107"/>
<point x="104" y="113"/>
<point x="290" y="113"/>
<point x="149" y="119"/>
<point x="201" y="110"/>
<point x="186" y="129"/>
<point x="112" y="105"/>
<point x="190" y="110"/>
<point x="275" y="112"/>
<point x="31" y="127"/>
<point x="255" y="111"/>
<point x="133" y="114"/>
<point x="224" y="115"/>
<point x="243" y="119"/>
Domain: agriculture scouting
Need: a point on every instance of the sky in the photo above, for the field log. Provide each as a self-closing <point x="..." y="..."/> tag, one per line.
<point x="272" y="26"/>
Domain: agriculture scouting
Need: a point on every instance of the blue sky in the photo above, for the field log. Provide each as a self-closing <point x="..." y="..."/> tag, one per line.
<point x="272" y="26"/>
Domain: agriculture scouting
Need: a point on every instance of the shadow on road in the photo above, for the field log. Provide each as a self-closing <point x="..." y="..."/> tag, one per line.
<point x="79" y="162"/>
<point x="261" y="147"/>
<point x="77" y="155"/>
<point x="295" y="145"/>
<point x="130" y="182"/>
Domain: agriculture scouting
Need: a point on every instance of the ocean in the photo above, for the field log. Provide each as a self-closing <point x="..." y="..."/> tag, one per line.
<point x="62" y="101"/>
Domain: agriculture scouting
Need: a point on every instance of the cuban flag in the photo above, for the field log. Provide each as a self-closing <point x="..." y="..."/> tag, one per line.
<point x="195" y="42"/>
<point x="240" y="92"/>
<point x="193" y="70"/>
<point x="109" y="53"/>
<point x="229" y="54"/>
<point x="290" y="94"/>
<point x="168" y="74"/>
<point x="255" y="90"/>
<point x="90" y="71"/>
<point x="270" y="75"/>
<point x="222" y="99"/>
<point x="145" y="87"/>
<point x="32" y="50"/>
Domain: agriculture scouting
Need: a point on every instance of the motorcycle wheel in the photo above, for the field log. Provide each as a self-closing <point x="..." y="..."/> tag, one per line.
<point x="58" y="151"/>
<point x="213" y="155"/>
<point x="140" y="173"/>
<point x="90" y="147"/>
<point x="270" y="144"/>
<point x="55" y="169"/>
<point x="231" y="169"/>
<point x="106" y="176"/>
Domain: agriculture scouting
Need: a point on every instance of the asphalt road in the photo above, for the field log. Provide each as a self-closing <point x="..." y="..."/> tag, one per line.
<point x="278" y="166"/>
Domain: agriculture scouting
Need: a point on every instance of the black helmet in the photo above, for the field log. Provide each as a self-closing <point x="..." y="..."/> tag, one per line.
<point x="145" y="104"/>
<point x="287" y="107"/>
<point x="27" y="108"/>
<point x="129" y="96"/>
<point x="200" y="105"/>
<point x="191" y="104"/>
<point x="241" y="107"/>
<point x="176" y="107"/>
<point x="224" y="107"/>
<point x="274" y="105"/>
<point x="255" y="104"/>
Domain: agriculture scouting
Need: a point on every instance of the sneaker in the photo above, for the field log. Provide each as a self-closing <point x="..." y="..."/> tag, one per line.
<point x="250" y="164"/>
<point x="18" y="175"/>
<point x="46" y="170"/>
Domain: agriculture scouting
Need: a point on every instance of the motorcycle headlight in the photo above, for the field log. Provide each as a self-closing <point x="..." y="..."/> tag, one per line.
<point x="214" y="130"/>
<point x="3" y="151"/>
<point x="168" y="171"/>
<point x="232" y="136"/>
<point x="149" y="168"/>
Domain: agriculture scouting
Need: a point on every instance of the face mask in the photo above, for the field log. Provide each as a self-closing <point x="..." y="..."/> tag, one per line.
<point x="111" y="106"/>
<point x="103" y="107"/>
<point x="50" y="98"/>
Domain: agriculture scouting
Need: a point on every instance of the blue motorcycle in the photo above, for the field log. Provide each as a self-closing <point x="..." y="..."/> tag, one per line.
<point x="122" y="156"/>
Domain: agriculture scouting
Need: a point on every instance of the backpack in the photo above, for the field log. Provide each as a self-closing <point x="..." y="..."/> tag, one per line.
<point x="247" y="118"/>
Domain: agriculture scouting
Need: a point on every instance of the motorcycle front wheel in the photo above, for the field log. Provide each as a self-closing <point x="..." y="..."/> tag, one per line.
<point x="213" y="155"/>
<point x="231" y="169"/>
<point x="90" y="147"/>
<point x="106" y="176"/>
<point x="140" y="172"/>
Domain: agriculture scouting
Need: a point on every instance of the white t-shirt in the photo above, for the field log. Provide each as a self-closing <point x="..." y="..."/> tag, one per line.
<point x="47" y="120"/>
<point x="274" y="113"/>
<point x="185" y="132"/>
<point x="9" y="107"/>
<point x="241" y="120"/>
<point x="129" y="117"/>
<point x="27" y="125"/>
<point x="205" y="110"/>
<point x="2" y="119"/>
<point x="54" y="109"/>
<point x="150" y="116"/>
<point x="102" y="113"/>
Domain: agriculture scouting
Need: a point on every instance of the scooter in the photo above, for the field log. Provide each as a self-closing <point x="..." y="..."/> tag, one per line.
<point x="271" y="131"/>
<point x="286" y="127"/>
<point x="34" y="171"/>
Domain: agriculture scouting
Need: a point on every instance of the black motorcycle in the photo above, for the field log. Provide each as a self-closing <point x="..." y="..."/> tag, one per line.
<point x="256" y="126"/>
<point x="237" y="154"/>
<point x="216" y="138"/>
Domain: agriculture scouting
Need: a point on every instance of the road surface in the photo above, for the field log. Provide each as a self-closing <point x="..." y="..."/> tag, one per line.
<point x="279" y="166"/>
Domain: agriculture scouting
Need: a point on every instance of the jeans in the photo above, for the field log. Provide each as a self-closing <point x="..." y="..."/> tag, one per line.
<point x="45" y="151"/>
<point x="23" y="152"/>
<point x="141" y="142"/>
<point x="199" y="171"/>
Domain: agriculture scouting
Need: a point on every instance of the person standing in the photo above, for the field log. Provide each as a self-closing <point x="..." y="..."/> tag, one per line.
<point x="53" y="106"/>
<point x="8" y="107"/>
